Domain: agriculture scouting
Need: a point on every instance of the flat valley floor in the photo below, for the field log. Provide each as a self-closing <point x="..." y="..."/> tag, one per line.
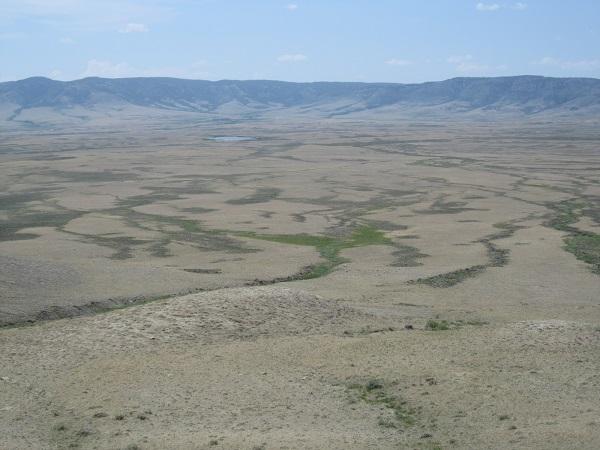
<point x="334" y="284"/>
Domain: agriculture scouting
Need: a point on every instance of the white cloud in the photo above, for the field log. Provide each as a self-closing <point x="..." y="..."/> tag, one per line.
<point x="579" y="64"/>
<point x="518" y="6"/>
<point x="468" y="65"/>
<point x="547" y="61"/>
<point x="134" y="28"/>
<point x="297" y="57"/>
<point x="398" y="62"/>
<point x="97" y="68"/>
<point x="472" y="67"/>
<point x="108" y="69"/>
<point x="66" y="40"/>
<point x="89" y="15"/>
<point x="55" y="74"/>
<point x="459" y="59"/>
<point x="292" y="6"/>
<point x="487" y="6"/>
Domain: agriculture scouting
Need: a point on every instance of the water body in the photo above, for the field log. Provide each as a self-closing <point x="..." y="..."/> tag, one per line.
<point x="232" y="138"/>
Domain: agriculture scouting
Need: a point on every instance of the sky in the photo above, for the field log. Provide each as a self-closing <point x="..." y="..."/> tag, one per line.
<point x="299" y="40"/>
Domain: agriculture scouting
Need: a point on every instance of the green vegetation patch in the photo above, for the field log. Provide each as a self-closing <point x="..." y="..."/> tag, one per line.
<point x="121" y="245"/>
<point x="376" y="392"/>
<point x="197" y="210"/>
<point x="160" y="249"/>
<point x="445" y="162"/>
<point x="407" y="256"/>
<point x="585" y="245"/>
<point x="449" y="279"/>
<point x="30" y="219"/>
<point x="19" y="214"/>
<point x="437" y="325"/>
<point x="586" y="248"/>
<point x="566" y="213"/>
<point x="329" y="247"/>
<point x="262" y="195"/>
<point x="507" y="229"/>
<point x="91" y="176"/>
<point x="445" y="325"/>
<point x="440" y="206"/>
<point x="17" y="200"/>
<point x="498" y="256"/>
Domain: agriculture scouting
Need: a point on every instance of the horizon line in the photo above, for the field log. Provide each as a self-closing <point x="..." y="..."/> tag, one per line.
<point x="295" y="82"/>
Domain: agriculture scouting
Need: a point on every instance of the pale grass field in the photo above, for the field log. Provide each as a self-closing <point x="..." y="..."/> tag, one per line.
<point x="357" y="230"/>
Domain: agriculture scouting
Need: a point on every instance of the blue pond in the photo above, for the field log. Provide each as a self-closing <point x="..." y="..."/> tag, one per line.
<point x="231" y="138"/>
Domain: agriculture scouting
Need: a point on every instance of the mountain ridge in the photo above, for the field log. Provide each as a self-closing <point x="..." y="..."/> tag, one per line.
<point x="525" y="95"/>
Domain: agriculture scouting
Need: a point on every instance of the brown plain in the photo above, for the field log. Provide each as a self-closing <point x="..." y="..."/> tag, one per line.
<point x="464" y="323"/>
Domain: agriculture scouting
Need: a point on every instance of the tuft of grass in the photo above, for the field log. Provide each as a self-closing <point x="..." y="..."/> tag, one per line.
<point x="373" y="384"/>
<point x="444" y="325"/>
<point x="437" y="325"/>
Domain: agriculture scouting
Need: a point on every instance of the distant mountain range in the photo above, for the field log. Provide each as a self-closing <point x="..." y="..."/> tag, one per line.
<point x="41" y="100"/>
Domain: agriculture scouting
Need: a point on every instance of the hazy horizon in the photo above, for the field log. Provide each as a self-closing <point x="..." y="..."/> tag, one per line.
<point x="297" y="82"/>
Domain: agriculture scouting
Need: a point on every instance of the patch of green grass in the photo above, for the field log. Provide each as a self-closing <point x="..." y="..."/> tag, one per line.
<point x="507" y="229"/>
<point x="190" y="232"/>
<point x="19" y="214"/>
<point x="386" y="225"/>
<point x="367" y="235"/>
<point x="329" y="247"/>
<point x="91" y="176"/>
<point x="262" y="195"/>
<point x="437" y="325"/>
<point x="407" y="256"/>
<point x="197" y="210"/>
<point x="440" y="206"/>
<point x="376" y="392"/>
<point x="449" y="279"/>
<point x="566" y="214"/>
<point x="498" y="256"/>
<point x="125" y="204"/>
<point x="585" y="247"/>
<point x="122" y="245"/>
<point x="19" y="220"/>
<point x="160" y="249"/>
<point x="16" y="200"/>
